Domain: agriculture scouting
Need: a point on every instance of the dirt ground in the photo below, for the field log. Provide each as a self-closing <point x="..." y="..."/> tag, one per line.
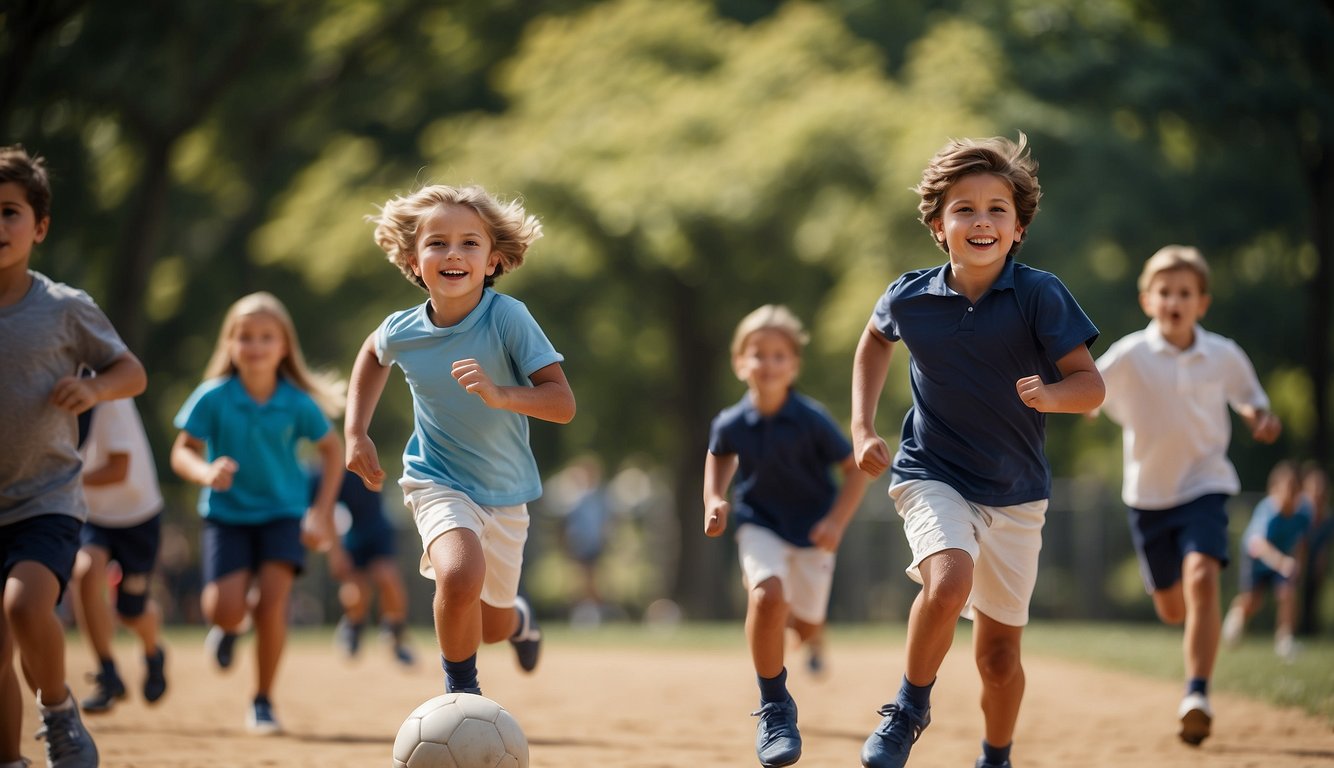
<point x="591" y="705"/>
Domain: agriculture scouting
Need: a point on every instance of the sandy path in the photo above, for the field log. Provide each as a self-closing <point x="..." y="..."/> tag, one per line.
<point x="626" y="706"/>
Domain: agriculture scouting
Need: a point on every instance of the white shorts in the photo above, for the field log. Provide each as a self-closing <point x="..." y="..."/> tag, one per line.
<point x="502" y="531"/>
<point x="807" y="573"/>
<point x="1003" y="542"/>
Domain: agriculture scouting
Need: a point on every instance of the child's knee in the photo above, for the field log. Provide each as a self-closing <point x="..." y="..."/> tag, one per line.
<point x="767" y="597"/>
<point x="998" y="665"/>
<point x="458" y="582"/>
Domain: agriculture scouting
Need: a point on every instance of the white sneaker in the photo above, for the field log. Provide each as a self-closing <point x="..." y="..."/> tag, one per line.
<point x="1196" y="718"/>
<point x="1287" y="648"/>
<point x="1233" y="625"/>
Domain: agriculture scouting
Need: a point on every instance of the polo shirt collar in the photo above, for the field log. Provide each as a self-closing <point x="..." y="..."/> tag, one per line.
<point x="236" y="392"/>
<point x="1153" y="337"/>
<point x="939" y="287"/>
<point x="752" y="415"/>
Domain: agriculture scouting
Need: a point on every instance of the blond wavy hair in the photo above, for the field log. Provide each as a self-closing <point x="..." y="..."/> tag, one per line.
<point x="770" y="317"/>
<point x="510" y="227"/>
<point x="328" y="391"/>
<point x="1172" y="257"/>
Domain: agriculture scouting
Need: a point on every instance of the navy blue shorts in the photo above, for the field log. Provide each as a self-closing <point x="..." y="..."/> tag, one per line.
<point x="135" y="547"/>
<point x="229" y="547"/>
<point x="1256" y="575"/>
<point x="52" y="540"/>
<point x="369" y="543"/>
<point x="1163" y="537"/>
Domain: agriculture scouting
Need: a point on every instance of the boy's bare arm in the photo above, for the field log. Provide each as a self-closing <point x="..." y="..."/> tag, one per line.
<point x="317" y="529"/>
<point x="718" y="473"/>
<point x="363" y="393"/>
<point x="114" y="470"/>
<point x="550" y="398"/>
<point x="125" y="377"/>
<point x="1080" y="389"/>
<point x="828" y="533"/>
<point x="869" y="368"/>
<point x="1264" y="425"/>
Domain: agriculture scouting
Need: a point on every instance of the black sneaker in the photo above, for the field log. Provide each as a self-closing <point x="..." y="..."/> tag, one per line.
<point x="777" y="740"/>
<point x="155" y="679"/>
<point x="347" y="637"/>
<point x="889" y="744"/>
<point x="220" y="644"/>
<point x="982" y="763"/>
<point x="68" y="743"/>
<point x="108" y="688"/>
<point x="527" y="639"/>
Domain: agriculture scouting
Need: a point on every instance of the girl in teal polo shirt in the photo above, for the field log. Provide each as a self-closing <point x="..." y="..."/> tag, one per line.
<point x="240" y="430"/>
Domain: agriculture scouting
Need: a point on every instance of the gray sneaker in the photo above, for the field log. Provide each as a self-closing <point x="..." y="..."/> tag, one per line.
<point x="777" y="740"/>
<point x="68" y="743"/>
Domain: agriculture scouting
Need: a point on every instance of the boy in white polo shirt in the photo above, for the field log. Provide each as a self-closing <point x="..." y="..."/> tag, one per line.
<point x="1169" y="387"/>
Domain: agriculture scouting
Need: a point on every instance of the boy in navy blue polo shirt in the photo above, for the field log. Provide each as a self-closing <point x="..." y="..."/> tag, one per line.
<point x="791" y="516"/>
<point x="995" y="345"/>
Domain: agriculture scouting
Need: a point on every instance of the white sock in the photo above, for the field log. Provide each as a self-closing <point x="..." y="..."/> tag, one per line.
<point x="66" y="703"/>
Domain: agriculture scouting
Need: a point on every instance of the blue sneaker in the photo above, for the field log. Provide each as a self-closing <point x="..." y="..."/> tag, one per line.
<point x="108" y="688"/>
<point x="68" y="743"/>
<point x="395" y="636"/>
<point x="889" y="744"/>
<point x="527" y="639"/>
<point x="777" y="741"/>
<point x="347" y="637"/>
<point x="220" y="644"/>
<point x="260" y="720"/>
<point x="155" y="681"/>
<point x="982" y="763"/>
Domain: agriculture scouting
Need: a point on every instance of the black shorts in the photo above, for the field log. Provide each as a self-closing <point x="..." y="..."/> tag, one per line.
<point x="135" y="547"/>
<point x="52" y="540"/>
<point x="229" y="547"/>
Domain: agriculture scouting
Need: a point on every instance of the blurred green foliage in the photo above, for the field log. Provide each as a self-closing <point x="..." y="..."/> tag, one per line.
<point x="690" y="160"/>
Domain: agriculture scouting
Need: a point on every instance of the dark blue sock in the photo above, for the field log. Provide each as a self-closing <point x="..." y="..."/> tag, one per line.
<point x="773" y="688"/>
<point x="460" y="674"/>
<point x="1198" y="685"/>
<point x="995" y="755"/>
<point x="109" y="667"/>
<point x="919" y="696"/>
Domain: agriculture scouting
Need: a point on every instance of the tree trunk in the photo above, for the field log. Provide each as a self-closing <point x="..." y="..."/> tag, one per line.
<point x="1319" y="294"/>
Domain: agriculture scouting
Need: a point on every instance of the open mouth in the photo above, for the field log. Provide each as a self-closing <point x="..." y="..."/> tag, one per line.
<point x="453" y="274"/>
<point x="982" y="242"/>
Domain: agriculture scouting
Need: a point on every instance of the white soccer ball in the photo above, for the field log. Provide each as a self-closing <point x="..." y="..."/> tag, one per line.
<point x="460" y="730"/>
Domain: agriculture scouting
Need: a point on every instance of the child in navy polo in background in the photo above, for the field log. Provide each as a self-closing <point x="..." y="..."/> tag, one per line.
<point x="994" y="346"/>
<point x="779" y="445"/>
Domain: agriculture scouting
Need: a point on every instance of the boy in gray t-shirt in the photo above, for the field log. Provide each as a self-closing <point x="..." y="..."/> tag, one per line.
<point x="48" y="331"/>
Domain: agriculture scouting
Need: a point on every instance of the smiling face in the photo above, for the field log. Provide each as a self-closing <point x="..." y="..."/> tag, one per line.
<point x="454" y="256"/>
<point x="768" y="363"/>
<point x="257" y="344"/>
<point x="978" y="224"/>
<point x="19" y="228"/>
<point x="1175" y="299"/>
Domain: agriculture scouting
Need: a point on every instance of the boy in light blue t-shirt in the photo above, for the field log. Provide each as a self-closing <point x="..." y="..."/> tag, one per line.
<point x="478" y="366"/>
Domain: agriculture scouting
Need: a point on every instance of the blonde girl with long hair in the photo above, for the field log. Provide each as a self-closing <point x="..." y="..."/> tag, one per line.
<point x="241" y="430"/>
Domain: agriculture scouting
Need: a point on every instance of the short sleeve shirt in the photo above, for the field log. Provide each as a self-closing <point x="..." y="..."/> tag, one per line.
<point x="783" y="480"/>
<point x="1284" y="533"/>
<point x="457" y="440"/>
<point x="1172" y="405"/>
<point x="46" y="335"/>
<point x="967" y="426"/>
<point x="115" y="427"/>
<point x="263" y="439"/>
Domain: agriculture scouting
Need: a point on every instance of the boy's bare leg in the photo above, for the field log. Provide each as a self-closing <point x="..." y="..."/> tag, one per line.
<point x="766" y="623"/>
<point x="30" y="610"/>
<point x="947" y="581"/>
<point x="1199" y="576"/>
<point x="224" y="601"/>
<point x="91" y="608"/>
<point x="11" y="699"/>
<point x="393" y="595"/>
<point x="147" y="626"/>
<point x="460" y="569"/>
<point x="996" y="648"/>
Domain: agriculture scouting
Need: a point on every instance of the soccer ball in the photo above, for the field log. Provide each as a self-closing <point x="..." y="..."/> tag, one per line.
<point x="460" y="730"/>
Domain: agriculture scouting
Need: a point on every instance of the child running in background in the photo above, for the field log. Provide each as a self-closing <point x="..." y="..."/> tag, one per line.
<point x="1279" y="524"/>
<point x="994" y="346"/>
<point x="363" y="563"/>
<point x="48" y="330"/>
<point x="1169" y="387"/>
<point x="478" y="365"/>
<point x="780" y="446"/>
<point x="240" y="431"/>
<point x="125" y="527"/>
<point x="1315" y="559"/>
